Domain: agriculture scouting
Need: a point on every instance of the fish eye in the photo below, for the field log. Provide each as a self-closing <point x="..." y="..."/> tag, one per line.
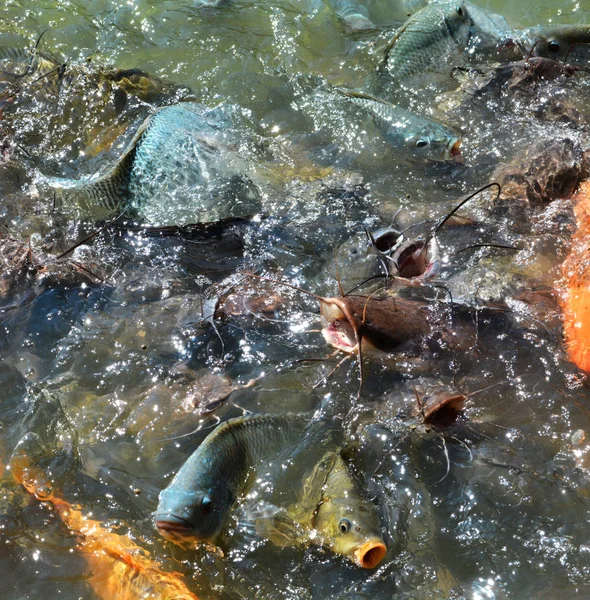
<point x="553" y="46"/>
<point x="459" y="11"/>
<point x="206" y="503"/>
<point x="344" y="525"/>
<point x="421" y="143"/>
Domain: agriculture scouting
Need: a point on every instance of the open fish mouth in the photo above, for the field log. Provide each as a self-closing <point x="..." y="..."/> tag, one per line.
<point x="174" y="528"/>
<point x="338" y="332"/>
<point x="370" y="554"/>
<point x="453" y="150"/>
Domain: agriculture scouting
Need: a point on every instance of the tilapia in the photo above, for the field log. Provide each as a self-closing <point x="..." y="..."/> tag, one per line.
<point x="182" y="166"/>
<point x="327" y="508"/>
<point x="197" y="502"/>
<point x="432" y="40"/>
<point x="118" y="568"/>
<point x="416" y="135"/>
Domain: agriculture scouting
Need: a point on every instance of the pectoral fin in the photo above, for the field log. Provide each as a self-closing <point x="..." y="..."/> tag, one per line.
<point x="259" y="520"/>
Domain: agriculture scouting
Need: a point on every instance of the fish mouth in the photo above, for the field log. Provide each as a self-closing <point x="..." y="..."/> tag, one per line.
<point x="338" y="332"/>
<point x="454" y="150"/>
<point x="174" y="528"/>
<point x="370" y="554"/>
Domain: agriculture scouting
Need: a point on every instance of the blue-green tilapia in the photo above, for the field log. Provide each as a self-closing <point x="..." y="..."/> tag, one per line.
<point x="433" y="39"/>
<point x="182" y="166"/>
<point x="414" y="134"/>
<point x="197" y="502"/>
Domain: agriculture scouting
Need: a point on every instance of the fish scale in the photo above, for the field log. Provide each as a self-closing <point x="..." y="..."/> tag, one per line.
<point x="180" y="159"/>
<point x="428" y="39"/>
<point x="218" y="471"/>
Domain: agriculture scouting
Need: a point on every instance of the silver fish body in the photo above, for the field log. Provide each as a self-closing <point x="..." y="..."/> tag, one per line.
<point x="416" y="135"/>
<point x="197" y="502"/>
<point x="432" y="40"/>
<point x="180" y="167"/>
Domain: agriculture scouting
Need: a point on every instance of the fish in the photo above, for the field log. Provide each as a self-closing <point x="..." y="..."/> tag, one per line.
<point x="386" y="324"/>
<point x="32" y="69"/>
<point x="354" y="15"/>
<point x="329" y="510"/>
<point x="119" y="568"/>
<point x="490" y="33"/>
<point x="573" y="287"/>
<point x="568" y="43"/>
<point x="432" y="40"/>
<point x="177" y="169"/>
<point x="195" y="506"/>
<point x="416" y="135"/>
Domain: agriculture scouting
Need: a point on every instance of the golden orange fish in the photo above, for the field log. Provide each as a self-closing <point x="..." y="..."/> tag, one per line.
<point x="120" y="569"/>
<point x="575" y="284"/>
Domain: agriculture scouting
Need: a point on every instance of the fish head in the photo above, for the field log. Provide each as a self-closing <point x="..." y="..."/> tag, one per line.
<point x="434" y="141"/>
<point x="363" y="256"/>
<point x="337" y="329"/>
<point x="348" y="526"/>
<point x="186" y="515"/>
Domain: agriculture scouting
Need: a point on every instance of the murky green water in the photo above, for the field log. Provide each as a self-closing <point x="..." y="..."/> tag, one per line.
<point x="496" y="506"/>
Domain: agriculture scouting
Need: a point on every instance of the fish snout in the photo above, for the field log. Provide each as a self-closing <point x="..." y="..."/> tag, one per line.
<point x="173" y="528"/>
<point x="370" y="554"/>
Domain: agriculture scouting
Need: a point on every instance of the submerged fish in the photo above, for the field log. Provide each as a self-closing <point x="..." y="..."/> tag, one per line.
<point x="326" y="508"/>
<point x="197" y="502"/>
<point x="119" y="568"/>
<point x="559" y="42"/>
<point x="180" y="166"/>
<point x="417" y="135"/>
<point x="433" y="39"/>
<point x="354" y="15"/>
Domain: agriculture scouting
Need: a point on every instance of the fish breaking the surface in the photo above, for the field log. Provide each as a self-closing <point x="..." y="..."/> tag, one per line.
<point x="180" y="167"/>
<point x="417" y="135"/>
<point x="197" y="502"/>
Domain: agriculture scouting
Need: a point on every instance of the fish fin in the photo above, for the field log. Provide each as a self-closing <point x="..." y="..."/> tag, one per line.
<point x="354" y="95"/>
<point x="108" y="191"/>
<point x="313" y="486"/>
<point x="257" y="520"/>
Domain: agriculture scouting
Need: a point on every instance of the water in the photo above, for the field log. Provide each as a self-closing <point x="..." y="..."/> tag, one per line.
<point x="494" y="507"/>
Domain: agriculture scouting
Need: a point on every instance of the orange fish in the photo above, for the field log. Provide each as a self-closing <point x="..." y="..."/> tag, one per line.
<point x="574" y="287"/>
<point x="120" y="569"/>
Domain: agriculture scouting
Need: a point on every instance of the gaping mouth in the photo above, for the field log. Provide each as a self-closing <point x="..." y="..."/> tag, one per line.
<point x="370" y="554"/>
<point x="338" y="331"/>
<point x="454" y="149"/>
<point x="174" y="528"/>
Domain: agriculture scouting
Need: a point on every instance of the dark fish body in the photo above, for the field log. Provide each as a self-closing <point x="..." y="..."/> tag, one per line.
<point x="415" y="134"/>
<point x="432" y="40"/>
<point x="179" y="167"/>
<point x="196" y="503"/>
<point x="559" y="41"/>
